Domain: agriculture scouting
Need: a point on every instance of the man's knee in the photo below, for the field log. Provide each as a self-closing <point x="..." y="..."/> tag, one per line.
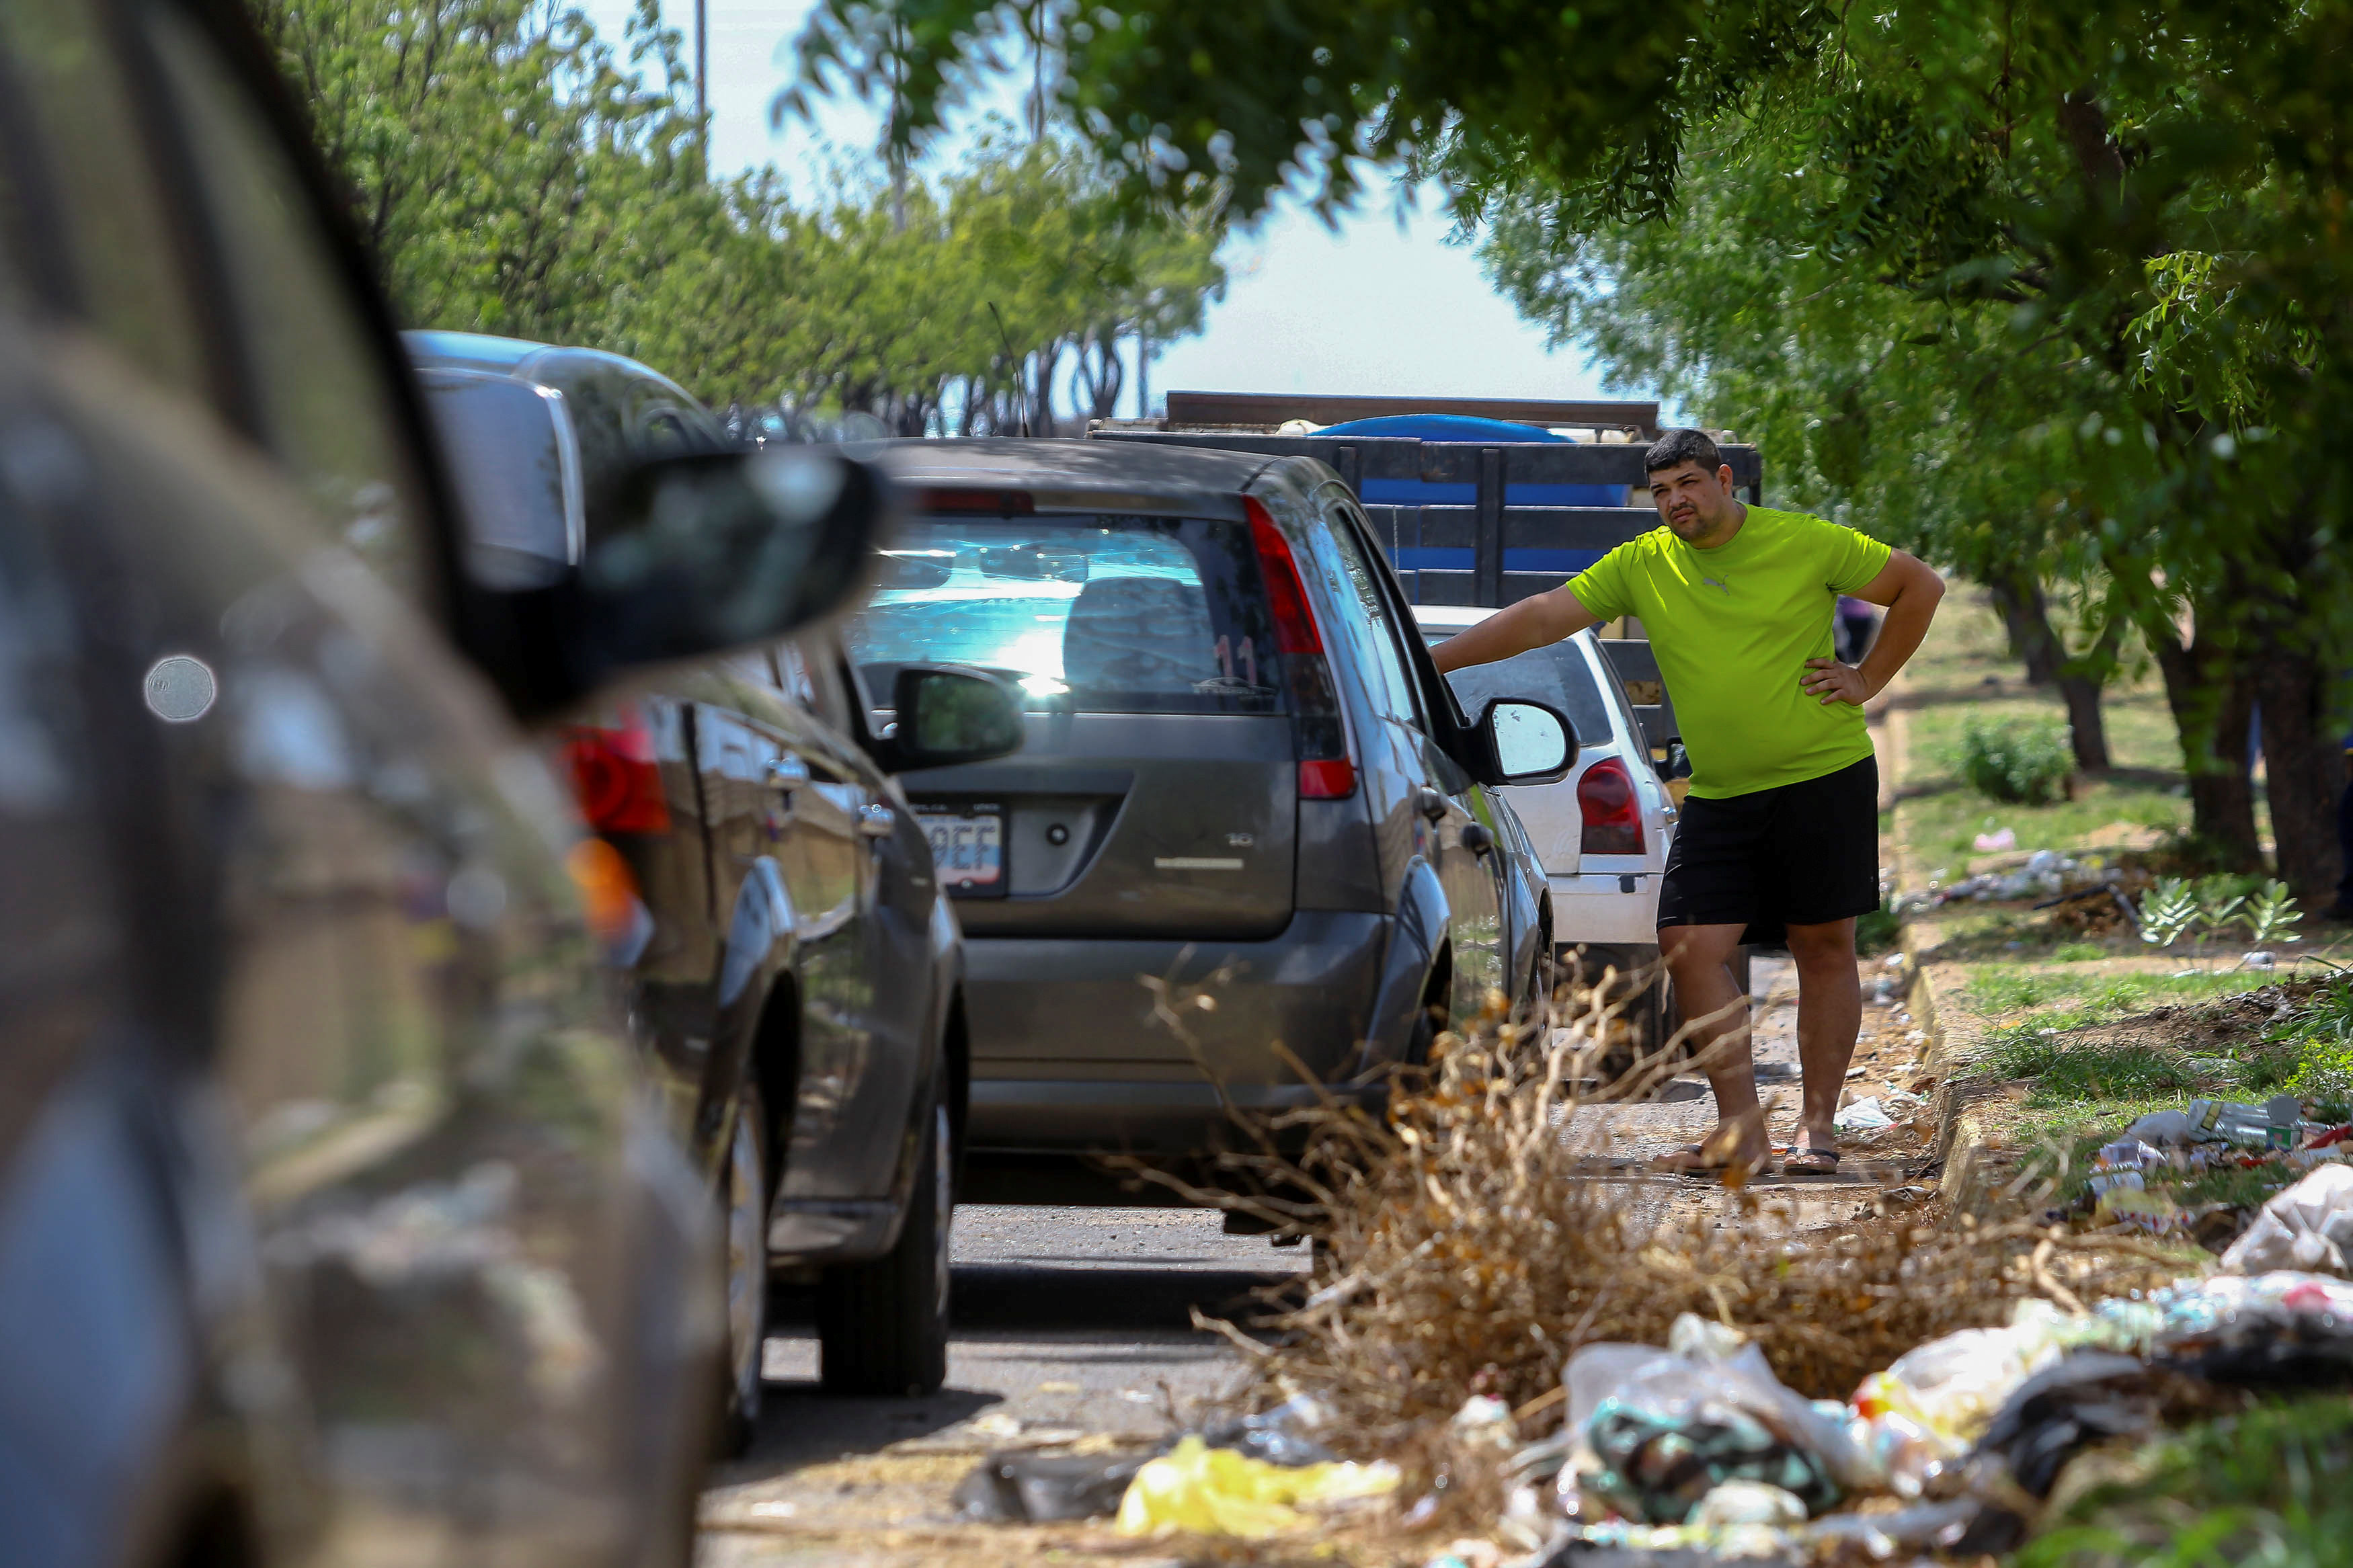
<point x="1826" y="946"/>
<point x="1697" y="949"/>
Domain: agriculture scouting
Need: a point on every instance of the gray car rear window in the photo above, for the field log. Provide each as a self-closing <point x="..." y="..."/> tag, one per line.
<point x="1108" y="614"/>
<point x="1558" y="675"/>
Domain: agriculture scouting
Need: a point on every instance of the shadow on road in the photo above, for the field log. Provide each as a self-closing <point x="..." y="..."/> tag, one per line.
<point x="1060" y="1315"/>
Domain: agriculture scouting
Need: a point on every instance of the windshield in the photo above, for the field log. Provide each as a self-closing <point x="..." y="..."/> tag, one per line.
<point x="504" y="443"/>
<point x="1560" y="676"/>
<point x="1109" y="613"/>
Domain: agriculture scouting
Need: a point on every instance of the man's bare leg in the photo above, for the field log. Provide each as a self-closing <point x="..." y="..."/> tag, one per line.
<point x="1830" y="1016"/>
<point x="1700" y="957"/>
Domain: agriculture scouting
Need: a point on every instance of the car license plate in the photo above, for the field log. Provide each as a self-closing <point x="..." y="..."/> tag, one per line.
<point x="967" y="847"/>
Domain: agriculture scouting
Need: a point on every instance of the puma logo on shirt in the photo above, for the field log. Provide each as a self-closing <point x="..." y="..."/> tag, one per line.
<point x="1717" y="583"/>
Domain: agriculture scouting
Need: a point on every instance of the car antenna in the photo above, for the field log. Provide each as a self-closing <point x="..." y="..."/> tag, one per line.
<point x="1008" y="338"/>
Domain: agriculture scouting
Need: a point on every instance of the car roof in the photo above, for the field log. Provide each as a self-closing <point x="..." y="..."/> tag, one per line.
<point x="546" y="365"/>
<point x="1066" y="464"/>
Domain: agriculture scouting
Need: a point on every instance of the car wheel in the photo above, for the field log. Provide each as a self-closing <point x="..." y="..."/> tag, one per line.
<point x="883" y="1327"/>
<point x="746" y="1218"/>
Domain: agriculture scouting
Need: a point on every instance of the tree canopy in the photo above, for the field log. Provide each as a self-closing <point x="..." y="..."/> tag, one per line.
<point x="2055" y="280"/>
<point x="514" y="173"/>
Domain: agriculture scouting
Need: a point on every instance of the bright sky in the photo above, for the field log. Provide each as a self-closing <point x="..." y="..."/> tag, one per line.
<point x="1376" y="308"/>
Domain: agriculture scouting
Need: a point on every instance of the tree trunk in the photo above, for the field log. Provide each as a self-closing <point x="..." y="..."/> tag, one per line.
<point x="2211" y="701"/>
<point x="2026" y="614"/>
<point x="2306" y="769"/>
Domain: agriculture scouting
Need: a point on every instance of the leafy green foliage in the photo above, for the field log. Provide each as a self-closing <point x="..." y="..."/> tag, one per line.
<point x="2272" y="1485"/>
<point x="2169" y="913"/>
<point x="515" y="175"/>
<point x="2024" y="764"/>
<point x="2271" y="914"/>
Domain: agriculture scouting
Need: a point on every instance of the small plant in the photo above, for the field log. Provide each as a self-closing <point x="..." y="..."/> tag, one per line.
<point x="2027" y="764"/>
<point x="2271" y="914"/>
<point x="2169" y="913"/>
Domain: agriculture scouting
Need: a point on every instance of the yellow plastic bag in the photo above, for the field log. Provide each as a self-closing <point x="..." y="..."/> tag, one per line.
<point x="1217" y="1492"/>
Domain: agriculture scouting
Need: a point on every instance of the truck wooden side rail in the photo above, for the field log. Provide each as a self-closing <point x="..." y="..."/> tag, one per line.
<point x="1489" y="527"/>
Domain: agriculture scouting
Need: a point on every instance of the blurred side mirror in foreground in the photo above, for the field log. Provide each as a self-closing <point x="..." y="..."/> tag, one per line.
<point x="948" y="717"/>
<point x="708" y="551"/>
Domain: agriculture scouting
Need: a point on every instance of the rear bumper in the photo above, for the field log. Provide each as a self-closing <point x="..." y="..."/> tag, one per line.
<point x="1605" y="907"/>
<point x="1072" y="1052"/>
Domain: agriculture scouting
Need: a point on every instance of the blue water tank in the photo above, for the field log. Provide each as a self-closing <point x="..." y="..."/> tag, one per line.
<point x="1468" y="430"/>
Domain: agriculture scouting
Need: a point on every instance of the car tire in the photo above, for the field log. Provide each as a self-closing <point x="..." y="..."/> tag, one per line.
<point x="743" y="1212"/>
<point x="883" y="1327"/>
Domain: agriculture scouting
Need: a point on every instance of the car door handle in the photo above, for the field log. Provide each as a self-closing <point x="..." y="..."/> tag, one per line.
<point x="1477" y="839"/>
<point x="876" y="821"/>
<point x="1430" y="804"/>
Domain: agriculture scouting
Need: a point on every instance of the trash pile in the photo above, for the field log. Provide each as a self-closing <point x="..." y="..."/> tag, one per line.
<point x="1251" y="1477"/>
<point x="2135" y="1179"/>
<point x="2047" y="874"/>
<point x="1698" y="1447"/>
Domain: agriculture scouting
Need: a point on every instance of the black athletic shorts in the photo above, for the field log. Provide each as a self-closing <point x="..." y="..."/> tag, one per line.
<point x="1801" y="854"/>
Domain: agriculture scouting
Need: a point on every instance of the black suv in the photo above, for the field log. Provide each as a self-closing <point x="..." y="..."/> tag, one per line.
<point x="797" y="980"/>
<point x="1240" y="764"/>
<point x="334" y="1223"/>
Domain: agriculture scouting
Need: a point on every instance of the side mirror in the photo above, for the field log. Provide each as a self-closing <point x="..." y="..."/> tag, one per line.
<point x="1677" y="764"/>
<point x="711" y="550"/>
<point x="1525" y="742"/>
<point x="949" y="716"/>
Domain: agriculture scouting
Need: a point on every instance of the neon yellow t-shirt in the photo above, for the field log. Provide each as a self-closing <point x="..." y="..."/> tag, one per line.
<point x="1731" y="628"/>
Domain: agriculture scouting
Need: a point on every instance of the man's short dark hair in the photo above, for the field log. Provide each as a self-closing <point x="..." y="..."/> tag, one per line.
<point x="1675" y="448"/>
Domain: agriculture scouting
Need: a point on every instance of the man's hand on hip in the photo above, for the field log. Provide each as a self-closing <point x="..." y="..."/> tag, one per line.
<point x="1834" y="682"/>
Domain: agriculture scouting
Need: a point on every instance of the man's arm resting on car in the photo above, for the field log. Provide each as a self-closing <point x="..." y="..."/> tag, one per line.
<point x="1538" y="621"/>
<point x="1909" y="588"/>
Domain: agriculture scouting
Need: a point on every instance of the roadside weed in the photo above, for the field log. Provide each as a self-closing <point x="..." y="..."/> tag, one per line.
<point x="2272" y="1485"/>
<point x="2026" y="763"/>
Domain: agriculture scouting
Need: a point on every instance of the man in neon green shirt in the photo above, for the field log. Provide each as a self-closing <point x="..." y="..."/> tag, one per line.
<point x="1780" y="830"/>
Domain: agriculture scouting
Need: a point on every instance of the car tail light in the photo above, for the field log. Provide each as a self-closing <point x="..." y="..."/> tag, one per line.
<point x="1326" y="772"/>
<point x="1612" y="812"/>
<point x="615" y="777"/>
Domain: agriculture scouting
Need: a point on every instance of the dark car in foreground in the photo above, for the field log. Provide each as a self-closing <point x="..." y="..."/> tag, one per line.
<point x="796" y="981"/>
<point x="336" y="1225"/>
<point x="1243" y="783"/>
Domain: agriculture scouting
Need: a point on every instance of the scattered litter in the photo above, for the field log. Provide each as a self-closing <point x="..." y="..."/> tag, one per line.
<point x="1993" y="843"/>
<point x="1486" y="1421"/>
<point x="1041" y="1488"/>
<point x="1748" y="1502"/>
<point x="2284" y="1328"/>
<point x="1680" y="1423"/>
<point x="1217" y="1491"/>
<point x="2305" y="1228"/>
<point x="1863" y="1115"/>
<point x="2259" y="959"/>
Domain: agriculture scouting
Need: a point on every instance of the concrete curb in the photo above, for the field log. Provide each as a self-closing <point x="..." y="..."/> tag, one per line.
<point x="1970" y="1170"/>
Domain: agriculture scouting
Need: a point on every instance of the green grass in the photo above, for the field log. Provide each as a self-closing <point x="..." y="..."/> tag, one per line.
<point x="2145" y="794"/>
<point x="2271" y="1486"/>
<point x="1998" y="989"/>
<point x="2081" y="953"/>
<point x="2087" y="1092"/>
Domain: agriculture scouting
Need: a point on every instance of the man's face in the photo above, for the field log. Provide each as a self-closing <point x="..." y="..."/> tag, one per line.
<point x="1695" y="503"/>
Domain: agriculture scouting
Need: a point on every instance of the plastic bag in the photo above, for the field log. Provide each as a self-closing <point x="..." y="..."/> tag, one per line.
<point x="1951" y="1387"/>
<point x="2307" y="1228"/>
<point x="1217" y="1491"/>
<point x="1680" y="1426"/>
<point x="1747" y="1502"/>
<point x="2283" y="1329"/>
<point x="1039" y="1488"/>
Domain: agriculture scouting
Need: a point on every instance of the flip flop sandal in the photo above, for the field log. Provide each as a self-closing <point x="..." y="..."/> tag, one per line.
<point x="1697" y="1172"/>
<point x="1800" y="1162"/>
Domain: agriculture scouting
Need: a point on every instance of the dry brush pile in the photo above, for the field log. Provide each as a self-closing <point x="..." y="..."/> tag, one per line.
<point x="1473" y="1233"/>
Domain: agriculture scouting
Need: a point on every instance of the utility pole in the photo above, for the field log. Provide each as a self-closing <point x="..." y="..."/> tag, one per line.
<point x="703" y="78"/>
